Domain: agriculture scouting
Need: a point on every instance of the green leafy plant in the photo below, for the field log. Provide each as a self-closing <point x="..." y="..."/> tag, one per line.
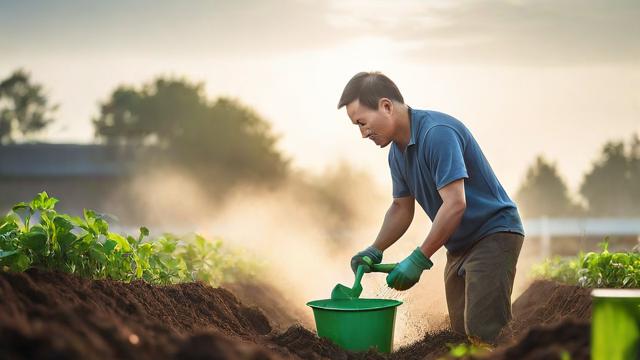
<point x="564" y="270"/>
<point x="599" y="270"/>
<point x="34" y="235"/>
<point x="464" y="350"/>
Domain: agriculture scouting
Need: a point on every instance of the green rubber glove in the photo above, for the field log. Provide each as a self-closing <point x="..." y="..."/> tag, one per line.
<point x="373" y="253"/>
<point x="408" y="271"/>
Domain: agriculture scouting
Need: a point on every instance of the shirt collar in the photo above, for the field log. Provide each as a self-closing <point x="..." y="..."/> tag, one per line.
<point x="412" y="140"/>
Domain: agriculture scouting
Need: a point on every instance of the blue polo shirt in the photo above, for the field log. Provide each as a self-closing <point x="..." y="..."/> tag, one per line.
<point x="441" y="150"/>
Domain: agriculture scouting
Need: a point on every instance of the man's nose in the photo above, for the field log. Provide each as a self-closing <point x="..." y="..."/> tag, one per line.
<point x="364" y="132"/>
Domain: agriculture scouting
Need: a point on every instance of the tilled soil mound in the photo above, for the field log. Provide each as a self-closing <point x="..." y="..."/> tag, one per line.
<point x="549" y="320"/>
<point x="568" y="339"/>
<point x="50" y="315"/>
<point x="54" y="315"/>
<point x="547" y="303"/>
<point x="276" y="306"/>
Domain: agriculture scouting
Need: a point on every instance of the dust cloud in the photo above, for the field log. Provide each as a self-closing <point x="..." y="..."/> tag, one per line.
<point x="291" y="239"/>
<point x="290" y="234"/>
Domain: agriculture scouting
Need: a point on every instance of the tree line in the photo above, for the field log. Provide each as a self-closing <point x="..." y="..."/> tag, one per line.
<point x="222" y="142"/>
<point x="611" y="188"/>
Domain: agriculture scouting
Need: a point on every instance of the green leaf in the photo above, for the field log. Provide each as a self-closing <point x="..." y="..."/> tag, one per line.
<point x="132" y="241"/>
<point x="166" y="245"/>
<point x="20" y="262"/>
<point x="39" y="201"/>
<point x="8" y="227"/>
<point x="101" y="226"/>
<point x="122" y="242"/>
<point x="42" y="201"/>
<point x="97" y="254"/>
<point x="66" y="240"/>
<point x="35" y="240"/>
<point x="89" y="216"/>
<point x="145" y="250"/>
<point x="109" y="246"/>
<point x="50" y="203"/>
<point x="22" y="206"/>
<point x="76" y="220"/>
<point x="62" y="224"/>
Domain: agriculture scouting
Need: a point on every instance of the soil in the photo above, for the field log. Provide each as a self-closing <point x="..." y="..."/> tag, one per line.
<point x="51" y="315"/>
<point x="54" y="315"/>
<point x="569" y="337"/>
<point x="549" y="319"/>
<point x="274" y="303"/>
<point x="547" y="303"/>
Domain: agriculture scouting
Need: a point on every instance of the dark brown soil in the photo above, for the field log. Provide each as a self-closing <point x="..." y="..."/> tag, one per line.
<point x="549" y="319"/>
<point x="276" y="305"/>
<point x="56" y="315"/>
<point x="570" y="337"/>
<point x="547" y="303"/>
<point x="432" y="346"/>
<point x="307" y="345"/>
<point x="48" y="315"/>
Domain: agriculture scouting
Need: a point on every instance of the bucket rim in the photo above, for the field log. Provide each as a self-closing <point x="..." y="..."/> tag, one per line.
<point x="388" y="303"/>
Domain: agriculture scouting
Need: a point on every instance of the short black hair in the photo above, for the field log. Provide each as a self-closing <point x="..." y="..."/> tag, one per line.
<point x="369" y="88"/>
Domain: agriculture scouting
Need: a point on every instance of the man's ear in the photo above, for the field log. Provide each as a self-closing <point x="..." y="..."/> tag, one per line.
<point x="385" y="105"/>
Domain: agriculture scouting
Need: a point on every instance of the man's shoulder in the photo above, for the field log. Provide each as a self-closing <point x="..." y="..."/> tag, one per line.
<point x="432" y="114"/>
<point x="434" y="123"/>
<point x="430" y="118"/>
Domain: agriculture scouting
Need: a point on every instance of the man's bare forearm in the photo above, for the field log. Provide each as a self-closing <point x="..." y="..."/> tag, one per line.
<point x="396" y="222"/>
<point x="444" y="225"/>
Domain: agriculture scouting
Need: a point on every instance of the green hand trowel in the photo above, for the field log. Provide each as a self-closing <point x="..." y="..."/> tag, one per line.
<point x="341" y="292"/>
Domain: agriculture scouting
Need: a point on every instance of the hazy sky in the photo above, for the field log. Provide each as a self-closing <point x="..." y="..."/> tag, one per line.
<point x="557" y="78"/>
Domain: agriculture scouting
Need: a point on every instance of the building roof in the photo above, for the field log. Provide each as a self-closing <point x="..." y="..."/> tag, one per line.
<point x="44" y="159"/>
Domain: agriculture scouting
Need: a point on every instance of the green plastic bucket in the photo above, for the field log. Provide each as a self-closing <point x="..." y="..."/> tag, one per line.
<point x="615" y="325"/>
<point x="356" y="324"/>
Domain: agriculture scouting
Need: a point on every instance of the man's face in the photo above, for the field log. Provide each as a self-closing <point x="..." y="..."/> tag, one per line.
<point x="376" y="125"/>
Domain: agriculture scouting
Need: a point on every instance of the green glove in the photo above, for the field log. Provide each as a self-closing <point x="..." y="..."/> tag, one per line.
<point x="373" y="253"/>
<point x="408" y="271"/>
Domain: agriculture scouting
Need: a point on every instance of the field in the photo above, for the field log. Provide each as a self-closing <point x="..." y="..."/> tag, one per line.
<point x="55" y="315"/>
<point x="72" y="289"/>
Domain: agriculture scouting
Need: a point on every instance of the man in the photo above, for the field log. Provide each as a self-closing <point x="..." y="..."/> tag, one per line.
<point x="435" y="161"/>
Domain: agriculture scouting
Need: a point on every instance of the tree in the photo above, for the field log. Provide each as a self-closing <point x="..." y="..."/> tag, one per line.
<point x="544" y="193"/>
<point x="235" y="140"/>
<point x="612" y="186"/>
<point x="119" y="121"/>
<point x="224" y="140"/>
<point x="156" y="114"/>
<point x="23" y="108"/>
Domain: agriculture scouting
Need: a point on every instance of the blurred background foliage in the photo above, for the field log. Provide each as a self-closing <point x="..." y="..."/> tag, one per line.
<point x="610" y="188"/>
<point x="224" y="144"/>
<point x="24" y="108"/>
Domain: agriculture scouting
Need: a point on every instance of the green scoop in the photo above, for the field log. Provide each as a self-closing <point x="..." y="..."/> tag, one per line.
<point x="343" y="292"/>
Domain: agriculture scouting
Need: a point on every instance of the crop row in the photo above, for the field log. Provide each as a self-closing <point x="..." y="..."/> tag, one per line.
<point x="34" y="235"/>
<point x="594" y="269"/>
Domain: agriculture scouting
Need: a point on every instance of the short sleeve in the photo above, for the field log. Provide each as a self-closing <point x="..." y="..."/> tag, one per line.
<point x="400" y="188"/>
<point x="445" y="155"/>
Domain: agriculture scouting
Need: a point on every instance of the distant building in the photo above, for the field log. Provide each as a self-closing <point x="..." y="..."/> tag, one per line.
<point x="82" y="176"/>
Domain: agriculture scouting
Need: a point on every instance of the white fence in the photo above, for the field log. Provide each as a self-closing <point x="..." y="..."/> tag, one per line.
<point x="547" y="228"/>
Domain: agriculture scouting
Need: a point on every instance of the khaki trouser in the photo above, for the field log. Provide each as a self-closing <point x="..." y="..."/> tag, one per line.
<point x="478" y="285"/>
